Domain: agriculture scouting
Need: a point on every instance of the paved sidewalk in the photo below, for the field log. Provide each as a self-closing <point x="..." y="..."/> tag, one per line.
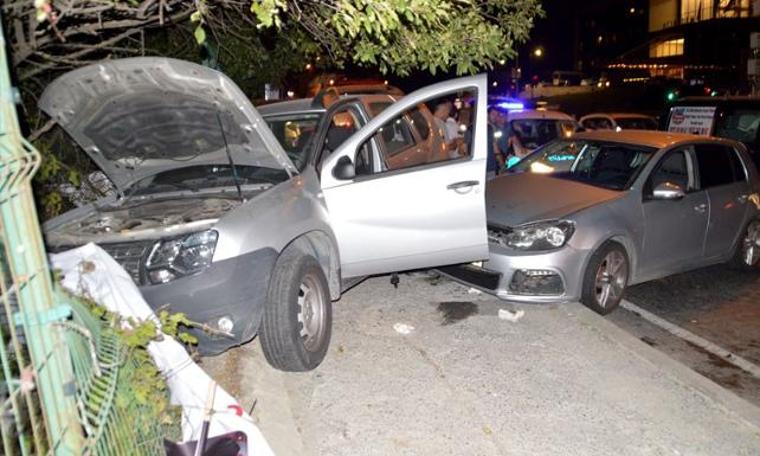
<point x="561" y="380"/>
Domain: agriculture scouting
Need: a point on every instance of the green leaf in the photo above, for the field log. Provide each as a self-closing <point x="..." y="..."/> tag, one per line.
<point x="200" y="35"/>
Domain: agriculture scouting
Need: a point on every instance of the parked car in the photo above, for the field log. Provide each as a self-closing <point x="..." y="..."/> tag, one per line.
<point x="736" y="118"/>
<point x="618" y="121"/>
<point x="585" y="217"/>
<point x="216" y="220"/>
<point x="536" y="127"/>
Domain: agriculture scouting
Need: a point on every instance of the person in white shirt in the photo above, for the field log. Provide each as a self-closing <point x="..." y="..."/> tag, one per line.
<point x="448" y="127"/>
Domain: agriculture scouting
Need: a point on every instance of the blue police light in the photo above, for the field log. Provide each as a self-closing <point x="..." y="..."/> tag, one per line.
<point x="511" y="105"/>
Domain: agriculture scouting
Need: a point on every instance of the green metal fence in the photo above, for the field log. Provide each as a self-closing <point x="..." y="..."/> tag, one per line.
<point x="36" y="368"/>
<point x="65" y="380"/>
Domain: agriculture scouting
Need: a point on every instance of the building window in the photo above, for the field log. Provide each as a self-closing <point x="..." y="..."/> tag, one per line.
<point x="667" y="48"/>
<point x="734" y="8"/>
<point x="697" y="10"/>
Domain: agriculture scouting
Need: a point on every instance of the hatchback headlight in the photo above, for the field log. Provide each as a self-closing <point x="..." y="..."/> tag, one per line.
<point x="180" y="257"/>
<point x="535" y="236"/>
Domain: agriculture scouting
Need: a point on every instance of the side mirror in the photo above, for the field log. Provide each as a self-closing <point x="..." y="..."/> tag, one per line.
<point x="344" y="169"/>
<point x="668" y="191"/>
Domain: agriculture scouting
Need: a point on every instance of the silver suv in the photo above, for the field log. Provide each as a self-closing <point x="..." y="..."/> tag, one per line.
<point x="214" y="219"/>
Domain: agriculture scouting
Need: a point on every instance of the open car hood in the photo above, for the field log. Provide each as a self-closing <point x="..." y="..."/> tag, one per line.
<point x="139" y="116"/>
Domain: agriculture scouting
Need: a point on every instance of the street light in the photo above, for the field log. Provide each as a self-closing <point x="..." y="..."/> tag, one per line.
<point x="538" y="52"/>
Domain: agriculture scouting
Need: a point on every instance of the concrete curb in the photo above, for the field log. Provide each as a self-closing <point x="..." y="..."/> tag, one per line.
<point x="723" y="398"/>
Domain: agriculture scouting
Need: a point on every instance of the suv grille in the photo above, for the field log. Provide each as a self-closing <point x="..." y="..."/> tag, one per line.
<point x="130" y="255"/>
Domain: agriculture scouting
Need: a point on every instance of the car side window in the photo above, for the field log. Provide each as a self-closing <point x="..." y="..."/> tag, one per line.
<point x="342" y="124"/>
<point x="420" y="122"/>
<point x="440" y="137"/>
<point x="672" y="168"/>
<point x="718" y="165"/>
<point x="396" y="136"/>
<point x="602" y="123"/>
<point x="597" y="123"/>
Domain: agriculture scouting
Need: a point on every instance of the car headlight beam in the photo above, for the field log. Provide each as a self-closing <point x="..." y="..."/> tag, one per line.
<point x="179" y="257"/>
<point x="535" y="236"/>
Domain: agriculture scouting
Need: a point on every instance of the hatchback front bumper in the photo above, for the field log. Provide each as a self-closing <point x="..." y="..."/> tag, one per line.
<point x="531" y="277"/>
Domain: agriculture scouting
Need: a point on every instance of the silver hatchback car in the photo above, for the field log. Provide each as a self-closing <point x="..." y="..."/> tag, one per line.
<point x="582" y="218"/>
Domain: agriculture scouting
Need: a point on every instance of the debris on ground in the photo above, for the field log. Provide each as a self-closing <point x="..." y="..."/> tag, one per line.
<point x="509" y="315"/>
<point x="474" y="291"/>
<point x="403" y="328"/>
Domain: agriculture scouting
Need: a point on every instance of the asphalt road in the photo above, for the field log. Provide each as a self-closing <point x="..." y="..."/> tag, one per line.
<point x="718" y="304"/>
<point x="560" y="380"/>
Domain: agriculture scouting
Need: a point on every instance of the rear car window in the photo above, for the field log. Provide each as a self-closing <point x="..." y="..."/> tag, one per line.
<point x="718" y="165"/>
<point x="597" y="123"/>
<point x="377" y="107"/>
<point x="534" y="133"/>
<point x="740" y="125"/>
<point x="636" y="123"/>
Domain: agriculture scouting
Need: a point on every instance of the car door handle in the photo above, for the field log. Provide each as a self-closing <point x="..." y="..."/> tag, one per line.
<point x="700" y="207"/>
<point x="463" y="184"/>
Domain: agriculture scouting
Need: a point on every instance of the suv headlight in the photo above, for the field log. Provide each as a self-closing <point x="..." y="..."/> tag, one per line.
<point x="179" y="257"/>
<point x="534" y="236"/>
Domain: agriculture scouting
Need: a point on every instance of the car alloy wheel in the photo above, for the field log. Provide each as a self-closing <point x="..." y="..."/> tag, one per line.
<point x="611" y="278"/>
<point x="751" y="244"/>
<point x="311" y="312"/>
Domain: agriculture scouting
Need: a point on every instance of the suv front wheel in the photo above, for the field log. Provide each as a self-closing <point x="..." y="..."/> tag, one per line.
<point x="296" y="327"/>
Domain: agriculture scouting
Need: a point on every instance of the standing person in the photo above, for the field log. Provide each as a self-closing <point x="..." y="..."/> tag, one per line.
<point x="516" y="149"/>
<point x="448" y="128"/>
<point x="495" y="159"/>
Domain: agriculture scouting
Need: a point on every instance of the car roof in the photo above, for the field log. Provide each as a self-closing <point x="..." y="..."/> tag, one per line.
<point x="368" y="89"/>
<point x="620" y="115"/>
<point x="538" y="114"/>
<point x="303" y="105"/>
<point x="717" y="101"/>
<point x="651" y="138"/>
<point x="310" y="106"/>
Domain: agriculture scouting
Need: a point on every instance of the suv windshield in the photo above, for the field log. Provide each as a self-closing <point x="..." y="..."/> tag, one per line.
<point x="600" y="163"/>
<point x="537" y="132"/>
<point x="201" y="177"/>
<point x="295" y="132"/>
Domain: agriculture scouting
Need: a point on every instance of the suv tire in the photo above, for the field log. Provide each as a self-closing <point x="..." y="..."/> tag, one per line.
<point x="297" y="322"/>
<point x="606" y="278"/>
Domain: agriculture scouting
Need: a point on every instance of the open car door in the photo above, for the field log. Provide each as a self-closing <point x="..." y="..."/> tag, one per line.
<point x="390" y="214"/>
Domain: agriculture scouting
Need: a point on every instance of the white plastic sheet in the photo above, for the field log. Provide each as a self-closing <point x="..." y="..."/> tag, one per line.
<point x="90" y="271"/>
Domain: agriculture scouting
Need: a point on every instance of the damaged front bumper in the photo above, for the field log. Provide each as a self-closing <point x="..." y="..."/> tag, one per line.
<point x="227" y="298"/>
<point x="529" y="277"/>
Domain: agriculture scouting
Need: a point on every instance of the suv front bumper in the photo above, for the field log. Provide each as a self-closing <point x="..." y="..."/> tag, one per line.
<point x="235" y="288"/>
